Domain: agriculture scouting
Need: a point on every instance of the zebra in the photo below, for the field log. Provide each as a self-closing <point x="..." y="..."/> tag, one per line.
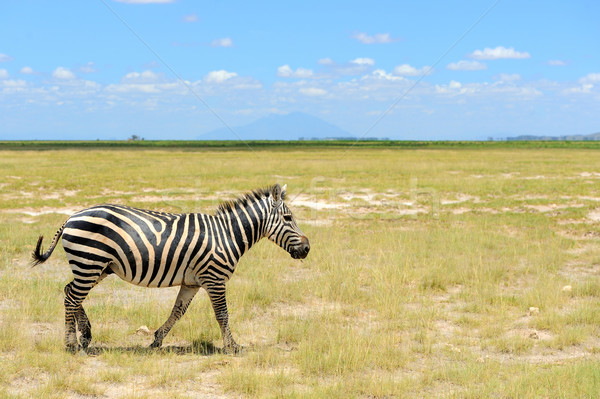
<point x="157" y="249"/>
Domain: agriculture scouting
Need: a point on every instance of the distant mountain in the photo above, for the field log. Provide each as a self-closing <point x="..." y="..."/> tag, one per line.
<point x="291" y="126"/>
<point x="574" y="137"/>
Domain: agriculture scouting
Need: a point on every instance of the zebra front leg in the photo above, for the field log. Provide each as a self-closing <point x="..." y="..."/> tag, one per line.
<point x="185" y="296"/>
<point x="216" y="294"/>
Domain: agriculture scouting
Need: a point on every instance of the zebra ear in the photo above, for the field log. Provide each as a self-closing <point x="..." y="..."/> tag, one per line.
<point x="277" y="192"/>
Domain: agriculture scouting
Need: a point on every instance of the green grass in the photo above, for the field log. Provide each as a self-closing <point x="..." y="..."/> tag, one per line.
<point x="421" y="274"/>
<point x="282" y="144"/>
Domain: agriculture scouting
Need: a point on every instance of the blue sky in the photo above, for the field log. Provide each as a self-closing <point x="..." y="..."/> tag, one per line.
<point x="405" y="70"/>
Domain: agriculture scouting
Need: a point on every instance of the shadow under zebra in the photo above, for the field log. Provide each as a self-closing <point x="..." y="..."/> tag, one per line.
<point x="198" y="347"/>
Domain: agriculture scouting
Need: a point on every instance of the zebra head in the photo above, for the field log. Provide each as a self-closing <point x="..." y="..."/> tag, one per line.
<point x="282" y="228"/>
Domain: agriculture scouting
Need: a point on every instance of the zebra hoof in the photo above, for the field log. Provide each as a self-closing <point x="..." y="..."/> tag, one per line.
<point x="72" y="348"/>
<point x="85" y="343"/>
<point x="234" y="349"/>
<point x="155" y="345"/>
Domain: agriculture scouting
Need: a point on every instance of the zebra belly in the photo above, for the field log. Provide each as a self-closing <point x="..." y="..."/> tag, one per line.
<point x="94" y="263"/>
<point x="175" y="281"/>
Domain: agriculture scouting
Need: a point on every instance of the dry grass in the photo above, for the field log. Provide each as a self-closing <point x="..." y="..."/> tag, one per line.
<point x="423" y="268"/>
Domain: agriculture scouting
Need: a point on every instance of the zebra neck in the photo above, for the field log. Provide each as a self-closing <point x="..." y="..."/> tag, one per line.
<point x="245" y="226"/>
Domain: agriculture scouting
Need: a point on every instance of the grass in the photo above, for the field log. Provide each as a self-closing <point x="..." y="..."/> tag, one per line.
<point x="423" y="268"/>
<point x="284" y="144"/>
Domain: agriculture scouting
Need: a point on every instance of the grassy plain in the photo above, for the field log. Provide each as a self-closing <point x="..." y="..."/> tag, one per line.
<point x="437" y="272"/>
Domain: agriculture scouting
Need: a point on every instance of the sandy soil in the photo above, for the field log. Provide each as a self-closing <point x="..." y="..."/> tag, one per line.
<point x="325" y="205"/>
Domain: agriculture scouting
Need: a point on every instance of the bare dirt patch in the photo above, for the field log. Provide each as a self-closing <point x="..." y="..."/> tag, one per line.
<point x="460" y="198"/>
<point x="304" y="310"/>
<point x="588" y="198"/>
<point x="317" y="222"/>
<point x="17" y="195"/>
<point x="589" y="174"/>
<point x="58" y="194"/>
<point x="42" y="211"/>
<point x="312" y="203"/>
<point x="25" y="384"/>
<point x="580" y="271"/>
<point x="460" y="211"/>
<point x="105" y="192"/>
<point x="594" y="215"/>
<point x="39" y="329"/>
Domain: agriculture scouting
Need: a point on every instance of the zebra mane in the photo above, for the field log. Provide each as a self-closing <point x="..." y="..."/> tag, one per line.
<point x="253" y="196"/>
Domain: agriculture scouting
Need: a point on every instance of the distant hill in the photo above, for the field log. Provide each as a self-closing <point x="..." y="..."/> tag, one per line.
<point x="293" y="126"/>
<point x="574" y="137"/>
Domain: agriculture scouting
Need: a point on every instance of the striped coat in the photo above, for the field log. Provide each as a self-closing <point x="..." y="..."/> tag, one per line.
<point x="157" y="249"/>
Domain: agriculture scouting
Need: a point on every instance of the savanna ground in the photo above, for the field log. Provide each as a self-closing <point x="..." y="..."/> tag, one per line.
<point x="465" y="272"/>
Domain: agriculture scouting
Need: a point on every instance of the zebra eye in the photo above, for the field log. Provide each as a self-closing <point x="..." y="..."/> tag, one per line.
<point x="287" y="218"/>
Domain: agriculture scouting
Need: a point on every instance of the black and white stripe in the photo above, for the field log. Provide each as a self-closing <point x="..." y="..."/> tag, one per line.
<point x="156" y="249"/>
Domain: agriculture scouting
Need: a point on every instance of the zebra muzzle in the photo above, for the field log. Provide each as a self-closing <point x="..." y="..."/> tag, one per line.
<point x="301" y="250"/>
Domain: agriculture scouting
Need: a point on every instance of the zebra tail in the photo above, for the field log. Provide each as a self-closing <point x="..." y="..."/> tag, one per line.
<point x="37" y="256"/>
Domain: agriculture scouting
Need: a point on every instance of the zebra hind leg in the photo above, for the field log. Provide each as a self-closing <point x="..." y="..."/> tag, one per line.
<point x="75" y="316"/>
<point x="185" y="296"/>
<point x="84" y="327"/>
<point x="83" y="322"/>
<point x="72" y="305"/>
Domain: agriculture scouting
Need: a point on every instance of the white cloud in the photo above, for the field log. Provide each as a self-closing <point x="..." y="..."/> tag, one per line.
<point x="508" y="90"/>
<point x="26" y="70"/>
<point x="3" y="74"/>
<point x="5" y="58"/>
<point x="146" y="82"/>
<point x="408" y="70"/>
<point x="219" y="76"/>
<point x="224" y="42"/>
<point x="583" y="89"/>
<point x="14" y="83"/>
<point x="190" y="18"/>
<point x="507" y="78"/>
<point x="129" y="85"/>
<point x="363" y="61"/>
<point x="285" y="71"/>
<point x="378" y="38"/>
<point x="556" y="63"/>
<point x="357" y="66"/>
<point x="382" y="74"/>
<point x="453" y="88"/>
<point x="145" y="76"/>
<point x="590" y="78"/>
<point x="464" y="65"/>
<point x="63" y="73"/>
<point x="147" y="88"/>
<point x="586" y="84"/>
<point x="498" y="53"/>
<point x="145" y="1"/>
<point x="312" y="91"/>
